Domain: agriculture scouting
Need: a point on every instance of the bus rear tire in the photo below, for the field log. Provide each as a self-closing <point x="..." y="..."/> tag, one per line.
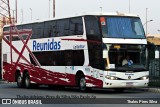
<point x="19" y="80"/>
<point x="27" y="80"/>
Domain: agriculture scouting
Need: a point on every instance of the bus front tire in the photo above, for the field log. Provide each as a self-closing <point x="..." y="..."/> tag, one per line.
<point x="82" y="84"/>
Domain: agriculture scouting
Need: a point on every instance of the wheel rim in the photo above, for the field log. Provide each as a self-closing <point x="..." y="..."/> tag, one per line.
<point x="82" y="84"/>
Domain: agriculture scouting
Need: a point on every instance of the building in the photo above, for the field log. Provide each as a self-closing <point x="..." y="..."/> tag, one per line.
<point x="1" y="27"/>
<point x="154" y="38"/>
<point x="1" y="31"/>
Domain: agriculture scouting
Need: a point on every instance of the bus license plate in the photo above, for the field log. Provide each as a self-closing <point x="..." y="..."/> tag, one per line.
<point x="129" y="84"/>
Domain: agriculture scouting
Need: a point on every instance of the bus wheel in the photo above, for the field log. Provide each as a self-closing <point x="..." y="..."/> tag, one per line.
<point x="27" y="81"/>
<point x="119" y="90"/>
<point x="19" y="81"/>
<point x="82" y="84"/>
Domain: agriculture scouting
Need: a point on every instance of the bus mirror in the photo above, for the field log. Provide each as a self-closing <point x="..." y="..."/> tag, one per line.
<point x="105" y="53"/>
<point x="156" y="54"/>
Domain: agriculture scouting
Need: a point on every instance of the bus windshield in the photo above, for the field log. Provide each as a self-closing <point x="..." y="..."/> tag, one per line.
<point x="122" y="27"/>
<point x="128" y="57"/>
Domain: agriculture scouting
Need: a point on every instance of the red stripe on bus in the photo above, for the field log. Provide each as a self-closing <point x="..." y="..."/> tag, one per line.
<point x="43" y="76"/>
<point x="83" y="40"/>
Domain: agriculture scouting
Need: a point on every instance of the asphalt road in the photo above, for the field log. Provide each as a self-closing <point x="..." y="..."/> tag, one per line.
<point x="10" y="90"/>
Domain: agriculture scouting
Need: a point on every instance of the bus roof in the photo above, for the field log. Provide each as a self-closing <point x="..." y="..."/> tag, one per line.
<point x="83" y="14"/>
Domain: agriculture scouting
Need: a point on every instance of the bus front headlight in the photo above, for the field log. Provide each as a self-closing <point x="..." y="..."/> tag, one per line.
<point x="111" y="77"/>
<point x="144" y="77"/>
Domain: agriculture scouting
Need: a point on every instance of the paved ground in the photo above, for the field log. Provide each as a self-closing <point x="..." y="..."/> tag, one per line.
<point x="10" y="90"/>
<point x="149" y="89"/>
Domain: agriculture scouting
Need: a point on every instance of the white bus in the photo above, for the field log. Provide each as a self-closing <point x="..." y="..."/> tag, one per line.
<point x="88" y="51"/>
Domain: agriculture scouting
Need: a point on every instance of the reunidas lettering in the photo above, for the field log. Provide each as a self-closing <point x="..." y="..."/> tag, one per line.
<point x="50" y="45"/>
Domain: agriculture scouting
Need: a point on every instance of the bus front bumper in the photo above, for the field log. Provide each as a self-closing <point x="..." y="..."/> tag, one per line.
<point x="125" y="83"/>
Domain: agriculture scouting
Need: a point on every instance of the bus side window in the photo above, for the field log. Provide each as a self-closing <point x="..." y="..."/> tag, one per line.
<point x="78" y="57"/>
<point x="6" y="28"/>
<point x="76" y="26"/>
<point x="66" y="28"/>
<point x="57" y="31"/>
<point x="71" y="30"/>
<point x="92" y="25"/>
<point x="53" y="29"/>
<point x="62" y="27"/>
<point x="68" y="57"/>
<point x="49" y="29"/>
<point x="4" y="57"/>
<point x="19" y="27"/>
<point x="38" y="30"/>
<point x="74" y="57"/>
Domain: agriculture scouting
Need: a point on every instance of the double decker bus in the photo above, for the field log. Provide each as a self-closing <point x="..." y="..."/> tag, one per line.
<point x="86" y="51"/>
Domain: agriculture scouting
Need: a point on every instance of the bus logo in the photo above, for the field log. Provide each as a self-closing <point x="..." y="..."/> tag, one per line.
<point x="49" y="45"/>
<point x="129" y="77"/>
<point x="78" y="46"/>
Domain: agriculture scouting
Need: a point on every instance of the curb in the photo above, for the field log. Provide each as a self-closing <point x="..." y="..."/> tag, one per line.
<point x="139" y="89"/>
<point x="154" y="90"/>
<point x="148" y="89"/>
<point x="3" y="82"/>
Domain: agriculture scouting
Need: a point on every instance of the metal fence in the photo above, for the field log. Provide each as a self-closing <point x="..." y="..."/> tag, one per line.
<point x="154" y="66"/>
<point x="0" y="60"/>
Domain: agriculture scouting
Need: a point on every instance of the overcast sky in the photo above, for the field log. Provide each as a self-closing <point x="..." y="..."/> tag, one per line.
<point x="40" y="9"/>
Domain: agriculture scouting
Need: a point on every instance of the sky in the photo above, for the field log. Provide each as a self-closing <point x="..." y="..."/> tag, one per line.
<point x="40" y="9"/>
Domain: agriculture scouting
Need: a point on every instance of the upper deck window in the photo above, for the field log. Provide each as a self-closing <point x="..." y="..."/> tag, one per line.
<point x="92" y="25"/>
<point x="52" y="28"/>
<point x="122" y="27"/>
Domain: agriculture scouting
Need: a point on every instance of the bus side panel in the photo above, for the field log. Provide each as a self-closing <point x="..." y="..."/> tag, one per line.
<point x="39" y="75"/>
<point x="8" y="73"/>
<point x="43" y="76"/>
<point x="71" y="79"/>
<point x="94" y="78"/>
<point x="7" y="68"/>
<point x="93" y="82"/>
